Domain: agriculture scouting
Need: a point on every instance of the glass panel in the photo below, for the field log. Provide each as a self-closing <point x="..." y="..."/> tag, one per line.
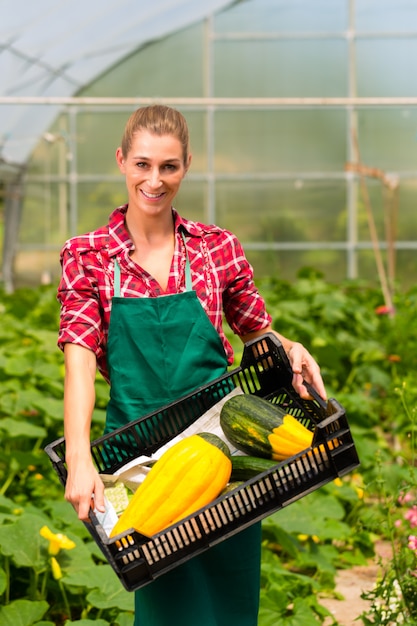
<point x="407" y="214"/>
<point x="283" y="16"/>
<point x="96" y="201"/>
<point x="280" y="141"/>
<point x="52" y="152"/>
<point x="99" y="134"/>
<point x="289" y="68"/>
<point x="387" y="138"/>
<point x="406" y="268"/>
<point x="286" y="264"/>
<point x="36" y="267"/>
<point x="191" y="202"/>
<point x="168" y="67"/>
<point x="386" y="67"/>
<point x="48" y="202"/>
<point x="393" y="211"/>
<point x="386" y="15"/>
<point x="196" y="121"/>
<point x="282" y="211"/>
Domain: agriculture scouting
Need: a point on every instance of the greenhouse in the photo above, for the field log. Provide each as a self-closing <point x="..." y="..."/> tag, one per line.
<point x="251" y="461"/>
<point x="302" y="116"/>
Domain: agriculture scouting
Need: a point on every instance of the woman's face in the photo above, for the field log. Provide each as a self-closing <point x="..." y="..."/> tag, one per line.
<point x="153" y="169"/>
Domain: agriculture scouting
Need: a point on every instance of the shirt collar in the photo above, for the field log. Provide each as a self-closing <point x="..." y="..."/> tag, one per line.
<point x="119" y="238"/>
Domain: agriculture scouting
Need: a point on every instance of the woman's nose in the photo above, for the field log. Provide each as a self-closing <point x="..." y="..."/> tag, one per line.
<point x="154" y="178"/>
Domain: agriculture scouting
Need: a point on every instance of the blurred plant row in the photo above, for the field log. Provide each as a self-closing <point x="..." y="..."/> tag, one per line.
<point x="52" y="572"/>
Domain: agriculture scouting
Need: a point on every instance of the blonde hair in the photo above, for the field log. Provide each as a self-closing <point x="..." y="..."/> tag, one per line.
<point x="159" y="120"/>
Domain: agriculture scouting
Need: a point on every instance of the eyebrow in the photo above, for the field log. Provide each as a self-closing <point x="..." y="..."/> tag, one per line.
<point x="145" y="158"/>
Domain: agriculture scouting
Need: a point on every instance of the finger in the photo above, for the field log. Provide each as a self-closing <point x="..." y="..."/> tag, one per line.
<point x="320" y="388"/>
<point x="99" y="497"/>
<point x="296" y="358"/>
<point x="317" y="385"/>
<point x="84" y="507"/>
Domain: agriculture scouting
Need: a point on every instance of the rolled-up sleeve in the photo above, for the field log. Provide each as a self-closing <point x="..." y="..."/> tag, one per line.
<point x="81" y="319"/>
<point x="244" y="307"/>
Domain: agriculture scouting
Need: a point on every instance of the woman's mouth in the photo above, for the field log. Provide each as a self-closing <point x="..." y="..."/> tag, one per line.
<point x="152" y="196"/>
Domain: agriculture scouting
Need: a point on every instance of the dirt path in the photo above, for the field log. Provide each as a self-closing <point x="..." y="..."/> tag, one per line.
<point x="350" y="584"/>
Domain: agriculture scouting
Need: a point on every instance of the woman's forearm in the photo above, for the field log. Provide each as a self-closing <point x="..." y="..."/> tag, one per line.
<point x="84" y="488"/>
<point x="79" y="399"/>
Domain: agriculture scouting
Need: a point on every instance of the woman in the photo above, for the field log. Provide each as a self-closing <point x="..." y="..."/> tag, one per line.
<point x="142" y="299"/>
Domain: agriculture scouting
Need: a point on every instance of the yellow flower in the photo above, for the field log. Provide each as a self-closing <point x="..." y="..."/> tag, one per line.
<point x="337" y="482"/>
<point x="313" y="538"/>
<point x="57" y="541"/>
<point x="17" y="511"/>
<point x="56" y="568"/>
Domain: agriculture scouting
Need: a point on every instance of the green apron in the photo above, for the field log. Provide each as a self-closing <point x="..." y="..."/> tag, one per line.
<point x="160" y="349"/>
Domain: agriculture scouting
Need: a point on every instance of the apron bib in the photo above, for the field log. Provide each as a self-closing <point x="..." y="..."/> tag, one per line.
<point x="160" y="349"/>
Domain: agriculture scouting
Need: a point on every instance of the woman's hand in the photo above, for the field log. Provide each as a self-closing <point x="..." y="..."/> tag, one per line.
<point x="84" y="488"/>
<point x="305" y="368"/>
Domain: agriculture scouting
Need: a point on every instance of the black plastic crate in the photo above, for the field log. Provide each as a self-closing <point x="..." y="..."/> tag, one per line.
<point x="266" y="372"/>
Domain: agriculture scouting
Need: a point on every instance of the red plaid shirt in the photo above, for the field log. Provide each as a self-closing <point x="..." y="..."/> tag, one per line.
<point x="221" y="277"/>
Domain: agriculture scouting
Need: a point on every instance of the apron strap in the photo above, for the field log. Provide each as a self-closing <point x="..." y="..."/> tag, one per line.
<point x="188" y="281"/>
<point x="116" y="278"/>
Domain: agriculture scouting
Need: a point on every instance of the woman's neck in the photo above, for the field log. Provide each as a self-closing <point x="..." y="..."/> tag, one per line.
<point x="150" y="231"/>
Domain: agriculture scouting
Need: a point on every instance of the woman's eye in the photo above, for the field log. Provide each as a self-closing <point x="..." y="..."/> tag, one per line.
<point x="141" y="164"/>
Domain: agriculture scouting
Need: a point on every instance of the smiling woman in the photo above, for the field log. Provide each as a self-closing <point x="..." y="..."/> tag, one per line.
<point x="154" y="158"/>
<point x="112" y="316"/>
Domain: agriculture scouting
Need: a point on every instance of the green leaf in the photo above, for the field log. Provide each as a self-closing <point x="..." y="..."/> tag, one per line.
<point x="16" y="428"/>
<point x="111" y="595"/>
<point x="25" y="399"/>
<point x="87" y="622"/>
<point x="310" y="516"/>
<point x="124" y="619"/>
<point x="3" y="580"/>
<point x="22" y="613"/>
<point x="50" y="406"/>
<point x="19" y="366"/>
<point x="272" y="611"/>
<point x="106" y="589"/>
<point x="6" y="504"/>
<point x="79" y="561"/>
<point x="22" y="541"/>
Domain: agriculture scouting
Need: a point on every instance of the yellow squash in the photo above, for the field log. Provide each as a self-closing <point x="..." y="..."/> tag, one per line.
<point x="188" y="476"/>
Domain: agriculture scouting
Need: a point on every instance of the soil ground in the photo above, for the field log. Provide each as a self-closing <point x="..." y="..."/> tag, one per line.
<point x="350" y="584"/>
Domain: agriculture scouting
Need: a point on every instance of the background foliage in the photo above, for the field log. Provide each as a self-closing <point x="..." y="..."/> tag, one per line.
<point x="368" y="360"/>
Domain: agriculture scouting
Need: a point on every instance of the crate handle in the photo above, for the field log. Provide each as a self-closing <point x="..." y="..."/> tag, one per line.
<point x="313" y="393"/>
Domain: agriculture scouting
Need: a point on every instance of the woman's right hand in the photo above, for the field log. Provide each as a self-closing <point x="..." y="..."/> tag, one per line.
<point x="84" y="488"/>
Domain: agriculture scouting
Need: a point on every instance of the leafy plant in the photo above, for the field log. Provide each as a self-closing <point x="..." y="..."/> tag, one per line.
<point x="394" y="597"/>
<point x="369" y="363"/>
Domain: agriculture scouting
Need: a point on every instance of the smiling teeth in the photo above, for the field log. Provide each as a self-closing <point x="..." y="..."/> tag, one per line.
<point x="152" y="195"/>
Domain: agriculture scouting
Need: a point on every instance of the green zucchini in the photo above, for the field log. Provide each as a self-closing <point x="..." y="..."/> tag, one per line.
<point x="246" y="467"/>
<point x="259" y="428"/>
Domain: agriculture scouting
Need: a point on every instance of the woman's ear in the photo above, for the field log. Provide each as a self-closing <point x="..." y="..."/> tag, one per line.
<point x="187" y="165"/>
<point x="120" y="160"/>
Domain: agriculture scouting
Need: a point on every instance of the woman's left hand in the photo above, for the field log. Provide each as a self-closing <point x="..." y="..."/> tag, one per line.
<point x="303" y="365"/>
<point x="305" y="368"/>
